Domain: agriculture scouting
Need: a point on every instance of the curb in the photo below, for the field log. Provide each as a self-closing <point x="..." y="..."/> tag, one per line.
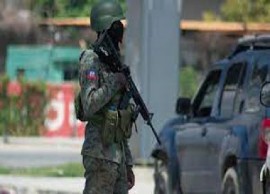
<point x="73" y="142"/>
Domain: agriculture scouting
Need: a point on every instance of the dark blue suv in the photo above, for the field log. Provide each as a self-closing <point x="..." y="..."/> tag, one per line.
<point x="215" y="144"/>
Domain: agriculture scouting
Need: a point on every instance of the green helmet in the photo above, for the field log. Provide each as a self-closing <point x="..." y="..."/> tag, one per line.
<point x="104" y="13"/>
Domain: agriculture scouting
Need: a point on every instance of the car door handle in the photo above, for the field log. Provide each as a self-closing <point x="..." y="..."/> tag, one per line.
<point x="204" y="131"/>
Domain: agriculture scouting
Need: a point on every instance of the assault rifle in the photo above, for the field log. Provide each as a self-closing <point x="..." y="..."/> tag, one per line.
<point x="107" y="52"/>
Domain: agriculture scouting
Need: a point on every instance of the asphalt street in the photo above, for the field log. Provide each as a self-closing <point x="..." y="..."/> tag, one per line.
<point x="34" y="152"/>
<point x="25" y="156"/>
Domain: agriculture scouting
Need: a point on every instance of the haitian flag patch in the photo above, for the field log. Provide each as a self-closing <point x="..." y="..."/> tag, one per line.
<point x="91" y="75"/>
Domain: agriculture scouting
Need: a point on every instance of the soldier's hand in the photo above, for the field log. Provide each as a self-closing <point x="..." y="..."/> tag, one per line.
<point x="121" y="79"/>
<point x="125" y="69"/>
<point x="130" y="177"/>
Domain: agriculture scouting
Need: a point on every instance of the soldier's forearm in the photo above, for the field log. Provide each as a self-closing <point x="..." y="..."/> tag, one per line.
<point x="97" y="98"/>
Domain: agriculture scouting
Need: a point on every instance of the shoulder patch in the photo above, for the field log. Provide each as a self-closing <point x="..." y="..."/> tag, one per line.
<point x="89" y="65"/>
<point x="91" y="75"/>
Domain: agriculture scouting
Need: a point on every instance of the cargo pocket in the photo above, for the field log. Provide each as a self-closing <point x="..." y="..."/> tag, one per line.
<point x="125" y="124"/>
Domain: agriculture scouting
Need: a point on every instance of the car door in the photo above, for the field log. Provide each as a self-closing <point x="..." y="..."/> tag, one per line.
<point x="229" y="103"/>
<point x="253" y="116"/>
<point x="191" y="142"/>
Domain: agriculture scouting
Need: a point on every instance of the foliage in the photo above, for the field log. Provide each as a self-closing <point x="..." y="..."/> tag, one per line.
<point x="66" y="8"/>
<point x="65" y="170"/>
<point x="4" y="109"/>
<point x="210" y="16"/>
<point x="243" y="11"/>
<point x="22" y="114"/>
<point x="188" y="81"/>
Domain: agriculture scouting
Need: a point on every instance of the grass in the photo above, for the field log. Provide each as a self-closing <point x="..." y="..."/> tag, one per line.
<point x="65" y="170"/>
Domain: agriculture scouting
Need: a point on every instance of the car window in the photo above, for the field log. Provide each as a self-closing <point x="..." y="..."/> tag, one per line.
<point x="203" y="102"/>
<point x="234" y="82"/>
<point x="239" y="97"/>
<point x="258" y="76"/>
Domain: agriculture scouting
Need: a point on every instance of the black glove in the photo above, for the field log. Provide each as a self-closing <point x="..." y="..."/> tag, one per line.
<point x="125" y="69"/>
<point x="121" y="79"/>
<point x="130" y="177"/>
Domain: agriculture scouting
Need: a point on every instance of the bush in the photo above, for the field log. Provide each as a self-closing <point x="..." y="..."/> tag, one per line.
<point x="188" y="81"/>
<point x="22" y="113"/>
<point x="4" y="108"/>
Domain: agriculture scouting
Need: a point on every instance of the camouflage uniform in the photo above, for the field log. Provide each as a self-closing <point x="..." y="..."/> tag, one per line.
<point x="104" y="161"/>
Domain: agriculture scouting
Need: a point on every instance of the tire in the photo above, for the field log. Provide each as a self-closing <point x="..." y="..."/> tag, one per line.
<point x="161" y="178"/>
<point x="266" y="184"/>
<point x="230" y="183"/>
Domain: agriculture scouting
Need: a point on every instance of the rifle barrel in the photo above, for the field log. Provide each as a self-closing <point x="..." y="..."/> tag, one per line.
<point x="155" y="132"/>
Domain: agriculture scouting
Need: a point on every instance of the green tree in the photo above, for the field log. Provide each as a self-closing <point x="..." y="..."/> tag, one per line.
<point x="188" y="81"/>
<point x="242" y="11"/>
<point x="66" y="8"/>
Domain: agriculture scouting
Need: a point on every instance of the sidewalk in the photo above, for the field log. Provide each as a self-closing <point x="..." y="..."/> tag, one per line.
<point x="33" y="185"/>
<point x="43" y="141"/>
<point x="30" y="185"/>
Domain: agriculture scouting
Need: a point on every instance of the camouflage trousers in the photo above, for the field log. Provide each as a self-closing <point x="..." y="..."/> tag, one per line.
<point x="104" y="177"/>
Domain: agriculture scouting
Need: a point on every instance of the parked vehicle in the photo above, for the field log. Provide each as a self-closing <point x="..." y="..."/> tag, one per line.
<point x="215" y="146"/>
<point x="265" y="171"/>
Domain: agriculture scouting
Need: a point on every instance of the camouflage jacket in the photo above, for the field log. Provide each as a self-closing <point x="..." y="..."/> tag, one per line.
<point x="99" y="91"/>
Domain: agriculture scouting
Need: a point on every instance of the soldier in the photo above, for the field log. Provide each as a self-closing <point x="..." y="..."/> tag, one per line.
<point x="106" y="155"/>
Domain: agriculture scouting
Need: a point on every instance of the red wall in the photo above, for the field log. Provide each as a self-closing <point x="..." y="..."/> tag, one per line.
<point x="61" y="119"/>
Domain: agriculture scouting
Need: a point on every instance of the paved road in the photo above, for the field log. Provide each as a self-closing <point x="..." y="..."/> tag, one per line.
<point x="24" y="156"/>
<point x="33" y="153"/>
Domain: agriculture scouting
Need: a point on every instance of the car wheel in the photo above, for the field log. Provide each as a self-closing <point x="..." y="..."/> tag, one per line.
<point x="230" y="184"/>
<point x="267" y="185"/>
<point x="161" y="178"/>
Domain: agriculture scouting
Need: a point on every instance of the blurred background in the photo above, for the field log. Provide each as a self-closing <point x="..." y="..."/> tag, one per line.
<point x="169" y="46"/>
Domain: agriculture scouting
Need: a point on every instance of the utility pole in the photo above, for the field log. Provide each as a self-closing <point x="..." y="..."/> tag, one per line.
<point x="152" y="52"/>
